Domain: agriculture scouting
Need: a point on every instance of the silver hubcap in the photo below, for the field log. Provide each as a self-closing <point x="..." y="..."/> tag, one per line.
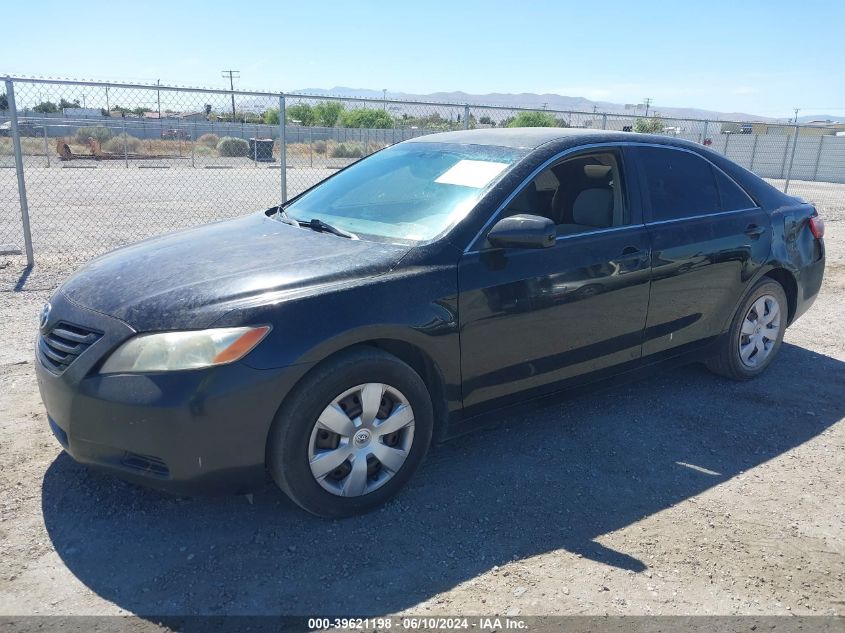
<point x="361" y="439"/>
<point x="759" y="331"/>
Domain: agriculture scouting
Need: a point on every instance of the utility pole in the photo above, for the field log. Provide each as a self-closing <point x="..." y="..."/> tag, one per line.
<point x="232" y="74"/>
<point x="647" y="102"/>
<point x="384" y="98"/>
<point x="108" y="109"/>
<point x="158" y="98"/>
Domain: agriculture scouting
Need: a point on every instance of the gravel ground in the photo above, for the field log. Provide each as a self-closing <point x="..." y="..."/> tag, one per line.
<point x="680" y="494"/>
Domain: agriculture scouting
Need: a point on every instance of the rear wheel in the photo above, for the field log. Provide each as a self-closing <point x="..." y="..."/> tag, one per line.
<point x="755" y="335"/>
<point x="351" y="434"/>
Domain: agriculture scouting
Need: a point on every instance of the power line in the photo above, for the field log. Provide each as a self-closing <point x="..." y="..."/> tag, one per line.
<point x="233" y="74"/>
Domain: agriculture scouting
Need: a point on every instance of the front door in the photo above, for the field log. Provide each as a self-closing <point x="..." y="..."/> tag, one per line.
<point x="531" y="318"/>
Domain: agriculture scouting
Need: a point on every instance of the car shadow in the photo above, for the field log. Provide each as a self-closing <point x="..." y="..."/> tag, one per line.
<point x="555" y="476"/>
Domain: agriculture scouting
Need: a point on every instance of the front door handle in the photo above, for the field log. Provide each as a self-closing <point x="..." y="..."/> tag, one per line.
<point x="755" y="231"/>
<point x="630" y="250"/>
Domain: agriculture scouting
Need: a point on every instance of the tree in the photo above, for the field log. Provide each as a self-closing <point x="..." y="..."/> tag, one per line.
<point x="533" y="119"/>
<point x="4" y="102"/>
<point x="271" y="116"/>
<point x="68" y="104"/>
<point x="650" y="125"/>
<point x="46" y="107"/>
<point x="327" y="113"/>
<point x="366" y="117"/>
<point x="485" y="120"/>
<point x="301" y="113"/>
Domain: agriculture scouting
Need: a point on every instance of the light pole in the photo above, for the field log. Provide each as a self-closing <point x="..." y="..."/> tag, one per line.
<point x="384" y="98"/>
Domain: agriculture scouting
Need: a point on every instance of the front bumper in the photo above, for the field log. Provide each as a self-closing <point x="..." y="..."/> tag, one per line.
<point x="188" y="432"/>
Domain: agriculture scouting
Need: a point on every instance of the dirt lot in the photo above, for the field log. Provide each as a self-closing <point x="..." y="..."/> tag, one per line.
<point x="682" y="494"/>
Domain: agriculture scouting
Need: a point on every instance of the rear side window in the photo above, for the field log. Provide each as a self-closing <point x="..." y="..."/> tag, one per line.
<point x="733" y="198"/>
<point x="679" y="184"/>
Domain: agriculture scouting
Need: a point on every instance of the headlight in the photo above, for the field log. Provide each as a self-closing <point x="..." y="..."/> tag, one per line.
<point x="170" y="351"/>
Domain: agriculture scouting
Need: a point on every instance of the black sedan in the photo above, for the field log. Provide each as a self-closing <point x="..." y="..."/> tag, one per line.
<point x="329" y="341"/>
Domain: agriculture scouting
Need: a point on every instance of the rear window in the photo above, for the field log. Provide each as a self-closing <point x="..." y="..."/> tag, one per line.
<point x="679" y="184"/>
<point x="733" y="198"/>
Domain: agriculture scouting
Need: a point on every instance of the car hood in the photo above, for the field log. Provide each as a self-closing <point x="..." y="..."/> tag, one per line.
<point x="191" y="278"/>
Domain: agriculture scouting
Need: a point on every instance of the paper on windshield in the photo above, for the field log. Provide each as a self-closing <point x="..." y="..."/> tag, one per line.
<point x="471" y="173"/>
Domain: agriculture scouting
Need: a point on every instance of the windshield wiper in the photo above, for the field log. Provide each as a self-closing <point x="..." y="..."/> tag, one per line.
<point x="316" y="224"/>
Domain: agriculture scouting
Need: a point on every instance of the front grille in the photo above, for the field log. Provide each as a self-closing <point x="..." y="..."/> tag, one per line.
<point x="145" y="463"/>
<point x="63" y="344"/>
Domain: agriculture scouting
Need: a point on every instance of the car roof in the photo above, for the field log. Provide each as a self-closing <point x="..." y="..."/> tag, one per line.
<point x="534" y="137"/>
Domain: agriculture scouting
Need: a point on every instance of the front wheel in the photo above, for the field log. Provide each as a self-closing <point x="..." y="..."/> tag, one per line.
<point x="351" y="434"/>
<point x="755" y="335"/>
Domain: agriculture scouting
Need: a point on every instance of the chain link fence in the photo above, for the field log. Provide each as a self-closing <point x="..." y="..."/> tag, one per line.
<point x="86" y="167"/>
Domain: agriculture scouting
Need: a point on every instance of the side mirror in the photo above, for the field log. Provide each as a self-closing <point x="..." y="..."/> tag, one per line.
<point x="523" y="231"/>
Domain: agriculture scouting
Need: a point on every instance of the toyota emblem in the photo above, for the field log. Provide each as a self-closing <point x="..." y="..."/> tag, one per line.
<point x="45" y="315"/>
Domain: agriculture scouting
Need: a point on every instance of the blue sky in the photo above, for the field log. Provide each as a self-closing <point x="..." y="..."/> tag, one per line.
<point x="758" y="57"/>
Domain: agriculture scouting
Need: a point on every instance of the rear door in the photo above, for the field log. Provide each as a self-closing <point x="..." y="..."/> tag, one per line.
<point x="708" y="240"/>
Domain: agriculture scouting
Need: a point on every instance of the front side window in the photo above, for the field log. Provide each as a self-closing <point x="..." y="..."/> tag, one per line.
<point x="579" y="194"/>
<point x="679" y="184"/>
<point x="411" y="192"/>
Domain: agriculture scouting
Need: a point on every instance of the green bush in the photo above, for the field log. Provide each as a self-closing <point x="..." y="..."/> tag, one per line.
<point x="115" y="144"/>
<point x="231" y="146"/>
<point x="208" y="140"/>
<point x="299" y="112"/>
<point x="651" y="125"/>
<point x="347" y="150"/>
<point x="533" y="119"/>
<point x="366" y="117"/>
<point x="100" y="133"/>
<point x="327" y="113"/>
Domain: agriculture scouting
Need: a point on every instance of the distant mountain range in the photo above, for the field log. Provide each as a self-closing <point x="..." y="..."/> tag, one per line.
<point x="538" y="101"/>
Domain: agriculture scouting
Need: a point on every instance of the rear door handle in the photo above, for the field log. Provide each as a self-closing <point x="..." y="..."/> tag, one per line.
<point x="752" y="230"/>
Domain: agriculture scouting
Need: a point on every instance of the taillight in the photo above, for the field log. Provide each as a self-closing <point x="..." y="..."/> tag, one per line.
<point x="816" y="227"/>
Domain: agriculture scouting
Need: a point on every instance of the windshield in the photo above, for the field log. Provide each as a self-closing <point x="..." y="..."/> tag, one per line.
<point x="410" y="192"/>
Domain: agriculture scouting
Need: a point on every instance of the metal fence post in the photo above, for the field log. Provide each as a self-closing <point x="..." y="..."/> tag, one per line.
<point x="753" y="152"/>
<point x="125" y="148"/>
<point x="791" y="157"/>
<point x="283" y="161"/>
<point x="818" y="158"/>
<point x="16" y="141"/>
<point x="704" y="133"/>
<point x="466" y="116"/>
<point x="46" y="147"/>
<point x="604" y="121"/>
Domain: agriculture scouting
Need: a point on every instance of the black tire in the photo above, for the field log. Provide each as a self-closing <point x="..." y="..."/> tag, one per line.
<point x="290" y="434"/>
<point x="727" y="362"/>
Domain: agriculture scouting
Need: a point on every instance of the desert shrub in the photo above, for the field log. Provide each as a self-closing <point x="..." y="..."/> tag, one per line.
<point x="533" y="119"/>
<point x="100" y="132"/>
<point x="231" y="146"/>
<point x="651" y="125"/>
<point x="204" y="150"/>
<point x="115" y="144"/>
<point x="320" y="147"/>
<point x="347" y="150"/>
<point x="209" y="140"/>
